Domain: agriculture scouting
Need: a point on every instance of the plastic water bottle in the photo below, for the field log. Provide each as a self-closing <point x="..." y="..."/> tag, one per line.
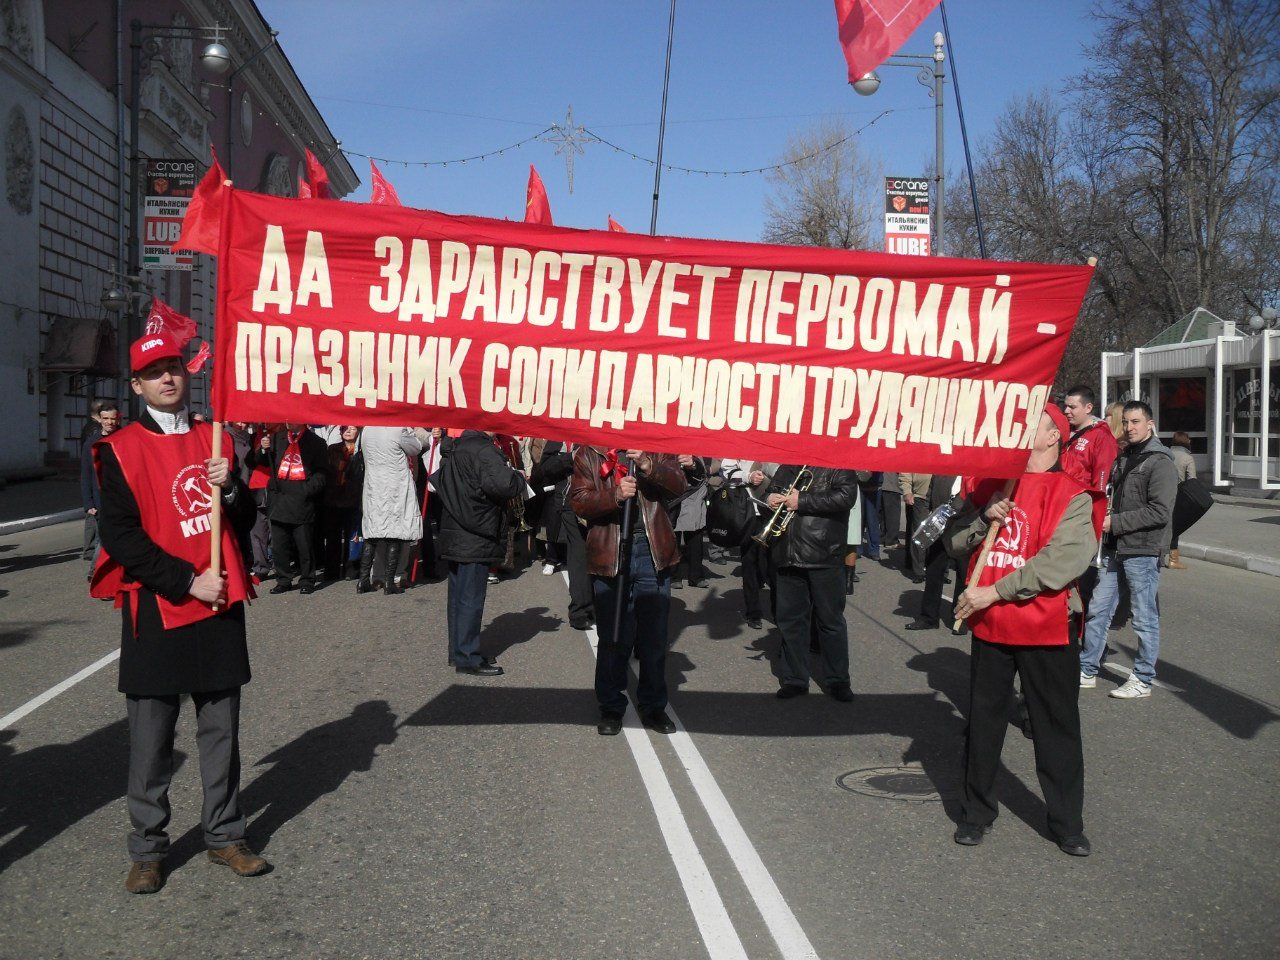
<point x="931" y="528"/>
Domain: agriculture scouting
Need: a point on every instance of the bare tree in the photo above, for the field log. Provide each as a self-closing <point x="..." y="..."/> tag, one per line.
<point x="822" y="195"/>
<point x="1162" y="163"/>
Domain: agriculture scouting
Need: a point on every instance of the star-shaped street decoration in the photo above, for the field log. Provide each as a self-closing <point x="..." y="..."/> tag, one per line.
<point x="568" y="138"/>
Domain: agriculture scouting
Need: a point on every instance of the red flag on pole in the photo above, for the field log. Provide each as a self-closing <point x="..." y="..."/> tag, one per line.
<point x="304" y="191"/>
<point x="537" y="209"/>
<point x="317" y="177"/>
<point x="164" y="319"/>
<point x="383" y="192"/>
<point x="203" y="220"/>
<point x="615" y="226"/>
<point x="871" y="30"/>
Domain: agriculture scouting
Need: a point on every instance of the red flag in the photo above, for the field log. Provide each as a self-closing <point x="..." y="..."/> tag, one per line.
<point x="203" y="221"/>
<point x="196" y="363"/>
<point x="304" y="191"/>
<point x="164" y="319"/>
<point x="383" y="192"/>
<point x="536" y="207"/>
<point x="871" y="30"/>
<point x="317" y="177"/>
<point x="615" y="226"/>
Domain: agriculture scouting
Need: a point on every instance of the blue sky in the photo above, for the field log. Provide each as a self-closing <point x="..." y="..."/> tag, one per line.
<point x="444" y="79"/>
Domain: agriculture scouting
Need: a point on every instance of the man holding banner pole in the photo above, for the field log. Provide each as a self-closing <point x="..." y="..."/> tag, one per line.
<point x="636" y="582"/>
<point x="183" y="628"/>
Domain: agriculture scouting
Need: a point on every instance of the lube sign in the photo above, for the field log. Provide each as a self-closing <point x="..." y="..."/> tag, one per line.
<point x="170" y="184"/>
<point x="906" y="216"/>
<point x="350" y="313"/>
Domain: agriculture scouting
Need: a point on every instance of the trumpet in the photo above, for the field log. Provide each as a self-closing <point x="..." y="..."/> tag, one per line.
<point x="782" y="516"/>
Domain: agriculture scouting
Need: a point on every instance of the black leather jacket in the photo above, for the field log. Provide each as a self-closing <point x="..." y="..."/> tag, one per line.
<point x="817" y="533"/>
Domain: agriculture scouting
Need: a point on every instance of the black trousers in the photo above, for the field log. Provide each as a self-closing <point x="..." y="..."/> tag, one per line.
<point x="581" y="593"/>
<point x="292" y="543"/>
<point x="890" y="517"/>
<point x="339" y="525"/>
<point x="937" y="562"/>
<point x="692" y="545"/>
<point x="917" y="513"/>
<point x="1051" y="685"/>
<point x="755" y="573"/>
<point x="805" y="597"/>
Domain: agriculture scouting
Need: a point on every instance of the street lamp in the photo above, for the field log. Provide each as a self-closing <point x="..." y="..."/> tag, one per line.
<point x="218" y="61"/>
<point x="930" y="75"/>
<point x="1265" y="320"/>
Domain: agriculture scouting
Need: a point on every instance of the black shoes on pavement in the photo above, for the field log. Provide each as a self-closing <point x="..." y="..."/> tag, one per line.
<point x="658" y="722"/>
<point x="282" y="586"/>
<point x="610" y="724"/>
<point x="1077" y="846"/>
<point x="921" y="623"/>
<point x="841" y="691"/>
<point x="789" y="690"/>
<point x="971" y="834"/>
<point x="485" y="669"/>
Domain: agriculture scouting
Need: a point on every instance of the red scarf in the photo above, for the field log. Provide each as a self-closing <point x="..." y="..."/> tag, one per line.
<point x="612" y="466"/>
<point x="291" y="467"/>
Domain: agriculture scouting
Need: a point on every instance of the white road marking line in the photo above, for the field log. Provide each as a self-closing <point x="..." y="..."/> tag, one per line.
<point x="12" y="718"/>
<point x="777" y="915"/>
<point x="782" y="923"/>
<point x="709" y="912"/>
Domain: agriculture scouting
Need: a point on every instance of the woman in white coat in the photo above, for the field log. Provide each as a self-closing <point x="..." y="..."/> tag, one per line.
<point x="390" y="503"/>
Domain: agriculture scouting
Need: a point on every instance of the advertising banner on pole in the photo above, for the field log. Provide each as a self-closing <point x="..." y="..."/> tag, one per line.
<point x="334" y="312"/>
<point x="170" y="184"/>
<point x="906" y="216"/>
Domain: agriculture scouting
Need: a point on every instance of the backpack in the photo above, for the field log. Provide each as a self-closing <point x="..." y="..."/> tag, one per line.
<point x="731" y="516"/>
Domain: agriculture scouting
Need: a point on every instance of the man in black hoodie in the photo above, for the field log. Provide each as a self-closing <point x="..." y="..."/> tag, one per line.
<point x="474" y="483"/>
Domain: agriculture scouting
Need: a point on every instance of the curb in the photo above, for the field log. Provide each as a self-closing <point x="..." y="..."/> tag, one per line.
<point x="1231" y="558"/>
<point x="48" y="520"/>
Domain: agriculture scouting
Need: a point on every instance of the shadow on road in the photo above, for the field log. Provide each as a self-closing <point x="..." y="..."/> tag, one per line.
<point x="302" y="771"/>
<point x="506" y="630"/>
<point x="1237" y="713"/>
<point x="49" y="789"/>
<point x="32" y="561"/>
<point x="15" y="634"/>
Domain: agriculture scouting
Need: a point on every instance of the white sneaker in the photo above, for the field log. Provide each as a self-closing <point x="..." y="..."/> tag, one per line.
<point x="1132" y="689"/>
<point x="1087" y="683"/>
<point x="493" y="578"/>
<point x="548" y="569"/>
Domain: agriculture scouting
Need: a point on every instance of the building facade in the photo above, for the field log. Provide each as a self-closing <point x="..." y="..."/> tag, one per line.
<point x="66" y="114"/>
<point x="1218" y="384"/>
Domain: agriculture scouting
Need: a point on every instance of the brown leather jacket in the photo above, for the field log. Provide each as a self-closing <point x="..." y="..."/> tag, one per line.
<point x="591" y="497"/>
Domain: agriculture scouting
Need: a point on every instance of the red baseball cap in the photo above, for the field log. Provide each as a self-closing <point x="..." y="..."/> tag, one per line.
<point x="147" y="349"/>
<point x="1059" y="420"/>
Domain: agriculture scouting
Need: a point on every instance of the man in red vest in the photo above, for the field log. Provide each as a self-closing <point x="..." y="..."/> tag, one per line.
<point x="1024" y="615"/>
<point x="183" y="622"/>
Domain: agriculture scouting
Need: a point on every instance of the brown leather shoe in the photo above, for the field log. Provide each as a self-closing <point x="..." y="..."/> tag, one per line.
<point x="145" y="876"/>
<point x="240" y="858"/>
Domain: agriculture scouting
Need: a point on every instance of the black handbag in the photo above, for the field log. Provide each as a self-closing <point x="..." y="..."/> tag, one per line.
<point x="731" y="516"/>
<point x="1192" y="502"/>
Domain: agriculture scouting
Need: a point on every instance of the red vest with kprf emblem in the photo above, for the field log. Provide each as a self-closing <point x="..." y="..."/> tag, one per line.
<point x="167" y="476"/>
<point x="1039" y="501"/>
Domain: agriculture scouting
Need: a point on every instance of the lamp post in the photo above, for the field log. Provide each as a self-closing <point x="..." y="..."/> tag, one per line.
<point x="213" y="55"/>
<point x="219" y="64"/>
<point x="930" y="75"/>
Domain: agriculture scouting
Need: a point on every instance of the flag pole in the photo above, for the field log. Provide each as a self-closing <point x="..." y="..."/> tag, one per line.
<point x="964" y="134"/>
<point x="215" y="513"/>
<point x="662" y="121"/>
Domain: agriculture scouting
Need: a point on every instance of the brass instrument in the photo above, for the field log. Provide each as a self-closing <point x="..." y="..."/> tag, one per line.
<point x="517" y="509"/>
<point x="782" y="516"/>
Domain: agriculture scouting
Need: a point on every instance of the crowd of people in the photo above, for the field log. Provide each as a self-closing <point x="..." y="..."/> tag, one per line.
<point x="1039" y="563"/>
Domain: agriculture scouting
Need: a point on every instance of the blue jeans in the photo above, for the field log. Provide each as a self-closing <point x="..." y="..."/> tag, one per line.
<point x="644" y="627"/>
<point x="468" y="584"/>
<point x="1143" y="576"/>
<point x="870" y="547"/>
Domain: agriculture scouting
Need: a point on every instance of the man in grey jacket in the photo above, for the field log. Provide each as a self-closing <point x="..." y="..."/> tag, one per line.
<point x="1136" y="536"/>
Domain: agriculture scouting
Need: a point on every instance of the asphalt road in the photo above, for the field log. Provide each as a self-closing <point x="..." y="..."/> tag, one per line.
<point x="412" y="812"/>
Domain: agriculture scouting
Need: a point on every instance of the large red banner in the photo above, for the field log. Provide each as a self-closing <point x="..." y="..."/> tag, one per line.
<point x="334" y="312"/>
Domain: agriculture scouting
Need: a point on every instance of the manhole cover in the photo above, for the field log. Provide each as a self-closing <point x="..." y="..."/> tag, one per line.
<point x="895" y="783"/>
